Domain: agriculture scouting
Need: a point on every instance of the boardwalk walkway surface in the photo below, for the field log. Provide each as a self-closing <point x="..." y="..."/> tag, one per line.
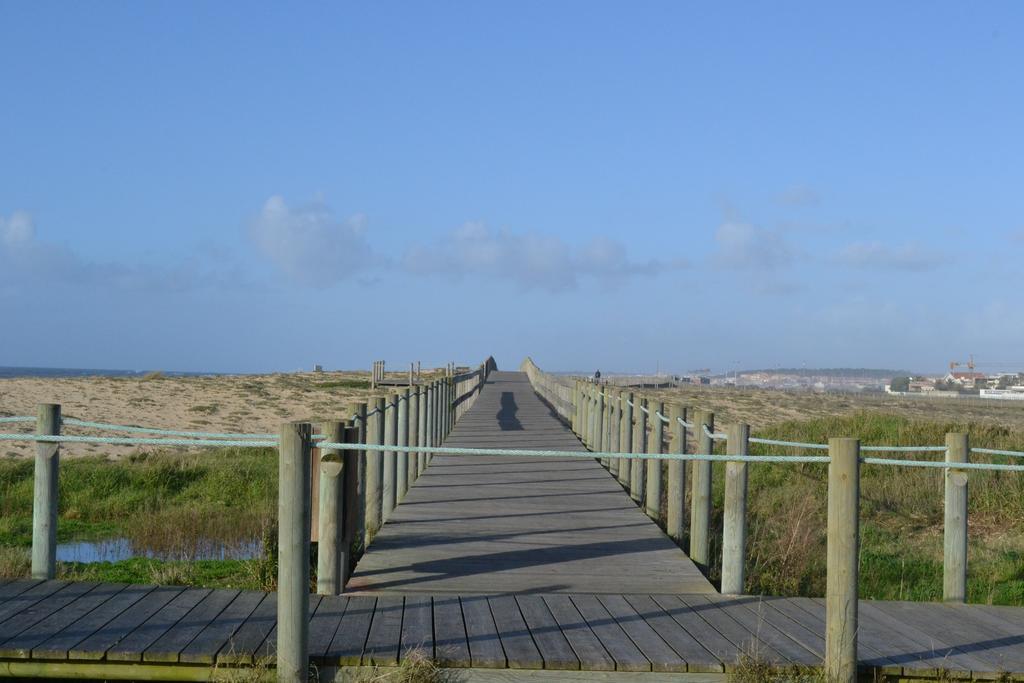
<point x="497" y="524"/>
<point x="489" y="564"/>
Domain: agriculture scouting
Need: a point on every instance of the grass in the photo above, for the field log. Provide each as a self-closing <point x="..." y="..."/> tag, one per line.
<point x="172" y="503"/>
<point x="901" y="515"/>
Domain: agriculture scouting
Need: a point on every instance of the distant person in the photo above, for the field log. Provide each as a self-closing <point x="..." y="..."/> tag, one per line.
<point x="597" y="374"/>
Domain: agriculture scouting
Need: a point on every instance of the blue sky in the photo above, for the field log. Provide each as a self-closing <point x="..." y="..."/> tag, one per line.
<point x="624" y="186"/>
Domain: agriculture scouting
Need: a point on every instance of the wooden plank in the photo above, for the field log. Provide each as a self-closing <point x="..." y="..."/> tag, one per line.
<point x="554" y="648"/>
<point x="720" y="648"/>
<point x="131" y="647"/>
<point x="242" y="647"/>
<point x="805" y="612"/>
<point x="660" y="654"/>
<point x="168" y="646"/>
<point x="324" y="624"/>
<point x="623" y="651"/>
<point x="267" y="651"/>
<point x="746" y="642"/>
<point x="385" y="632"/>
<point x="585" y="644"/>
<point x="481" y="632"/>
<point x="451" y="647"/>
<point x="95" y="646"/>
<point x="349" y="640"/>
<point x="745" y="610"/>
<point x="59" y="613"/>
<point x="418" y="627"/>
<point x="25" y="599"/>
<point x="204" y="647"/>
<point x="697" y="657"/>
<point x="516" y="641"/>
<point x="59" y="646"/>
<point x="13" y="587"/>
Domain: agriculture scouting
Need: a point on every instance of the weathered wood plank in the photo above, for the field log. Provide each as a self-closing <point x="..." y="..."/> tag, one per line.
<point x="324" y="623"/>
<point x="588" y="648"/>
<point x="22" y="600"/>
<point x="95" y="646"/>
<point x="168" y="646"/>
<point x="660" y="654"/>
<point x="244" y="644"/>
<point x="554" y="648"/>
<point x="418" y="627"/>
<point x="484" y="644"/>
<point x="516" y="641"/>
<point x="624" y="652"/>
<point x="350" y="638"/>
<point x="131" y="647"/>
<point x="59" y="645"/>
<point x="451" y="647"/>
<point x="204" y="647"/>
<point x="57" y="612"/>
<point x="697" y="657"/>
<point x="385" y="632"/>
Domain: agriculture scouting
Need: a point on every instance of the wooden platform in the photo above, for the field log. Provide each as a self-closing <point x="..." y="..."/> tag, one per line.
<point x="490" y="525"/>
<point x="115" y="630"/>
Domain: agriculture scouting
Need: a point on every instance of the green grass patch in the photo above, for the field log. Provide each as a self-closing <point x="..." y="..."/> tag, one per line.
<point x="343" y="384"/>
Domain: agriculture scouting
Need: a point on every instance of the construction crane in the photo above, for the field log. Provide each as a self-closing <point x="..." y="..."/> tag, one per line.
<point x="956" y="364"/>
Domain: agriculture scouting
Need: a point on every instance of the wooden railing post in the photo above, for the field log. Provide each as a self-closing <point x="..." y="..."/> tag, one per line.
<point x="676" y="475"/>
<point x="734" y="529"/>
<point x="842" y="557"/>
<point x="423" y="438"/>
<point x="954" y="565"/>
<point x="46" y="496"/>
<point x="374" y="468"/>
<point x="599" y="424"/>
<point x="626" y="439"/>
<point x="402" y="458"/>
<point x="636" y="466"/>
<point x="293" y="513"/>
<point x="330" y="534"/>
<point x="700" y="495"/>
<point x="652" y="500"/>
<point x="614" y="429"/>
<point x="390" y="465"/>
<point x="413" y="429"/>
<point x="355" y="483"/>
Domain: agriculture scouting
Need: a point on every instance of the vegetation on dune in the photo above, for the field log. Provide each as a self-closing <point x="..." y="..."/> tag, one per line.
<point x="901" y="514"/>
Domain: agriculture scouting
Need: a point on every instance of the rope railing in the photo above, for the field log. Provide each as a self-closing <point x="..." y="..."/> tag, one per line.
<point x="996" y="451"/>
<point x="169" y="432"/>
<point x="16" y="419"/>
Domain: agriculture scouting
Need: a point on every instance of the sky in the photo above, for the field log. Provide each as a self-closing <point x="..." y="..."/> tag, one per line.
<point x="621" y="186"/>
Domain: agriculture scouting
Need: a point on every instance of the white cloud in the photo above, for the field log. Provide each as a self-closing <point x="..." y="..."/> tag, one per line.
<point x="745" y="246"/>
<point x="310" y="245"/>
<point x="17" y="230"/>
<point x="875" y="255"/>
<point x="528" y="259"/>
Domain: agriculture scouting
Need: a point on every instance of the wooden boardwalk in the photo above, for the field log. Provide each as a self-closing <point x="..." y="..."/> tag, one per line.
<point x="490" y="525"/>
<point x="543" y="566"/>
<point x="54" y="628"/>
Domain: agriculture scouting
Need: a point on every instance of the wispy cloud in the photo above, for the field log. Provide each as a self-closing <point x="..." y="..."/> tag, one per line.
<point x="529" y="259"/>
<point x="25" y="259"/>
<point x="310" y="245"/>
<point x="800" y="195"/>
<point x="876" y="255"/>
<point x="746" y="246"/>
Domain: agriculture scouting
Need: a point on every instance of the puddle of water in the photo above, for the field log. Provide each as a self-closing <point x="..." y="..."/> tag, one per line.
<point x="116" y="549"/>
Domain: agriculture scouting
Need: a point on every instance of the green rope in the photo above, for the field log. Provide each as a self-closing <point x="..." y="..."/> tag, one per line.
<point x="17" y="418"/>
<point x="138" y="441"/>
<point x="169" y="432"/>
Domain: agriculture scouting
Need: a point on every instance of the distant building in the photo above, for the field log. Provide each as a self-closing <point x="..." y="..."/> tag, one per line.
<point x="965" y="379"/>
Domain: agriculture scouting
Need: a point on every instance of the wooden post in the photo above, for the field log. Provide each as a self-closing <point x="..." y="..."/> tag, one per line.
<point x="954" y="565"/>
<point x="653" y="497"/>
<point x="293" y="515"/>
<point x="355" y="490"/>
<point x="421" y="427"/>
<point x="390" y="465"/>
<point x="614" y="429"/>
<point x="599" y="424"/>
<point x="331" y="556"/>
<point x="46" y="496"/>
<point x="734" y="530"/>
<point x="374" y="467"/>
<point x="402" y="459"/>
<point x="626" y="439"/>
<point x="576" y="408"/>
<point x="432" y="426"/>
<point x="413" y="428"/>
<point x="700" y="496"/>
<point x="842" y="558"/>
<point x="676" y="475"/>
<point x="636" y="466"/>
